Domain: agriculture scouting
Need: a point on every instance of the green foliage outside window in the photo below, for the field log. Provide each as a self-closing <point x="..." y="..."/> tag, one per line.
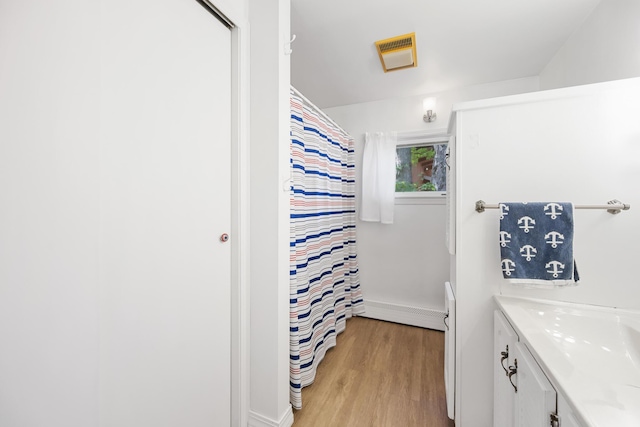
<point x="421" y="153"/>
<point x="403" y="186"/>
<point x="407" y="158"/>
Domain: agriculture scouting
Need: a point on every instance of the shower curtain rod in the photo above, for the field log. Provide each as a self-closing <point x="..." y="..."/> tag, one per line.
<point x="322" y="113"/>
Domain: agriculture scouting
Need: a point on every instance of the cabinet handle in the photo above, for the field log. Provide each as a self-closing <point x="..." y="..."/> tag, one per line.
<point x="512" y="371"/>
<point x="505" y="356"/>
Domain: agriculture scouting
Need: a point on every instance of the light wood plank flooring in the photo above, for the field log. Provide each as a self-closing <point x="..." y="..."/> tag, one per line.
<point x="380" y="374"/>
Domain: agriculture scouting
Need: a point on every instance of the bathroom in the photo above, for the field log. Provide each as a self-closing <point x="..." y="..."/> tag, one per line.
<point x="602" y="47"/>
<point x="78" y="345"/>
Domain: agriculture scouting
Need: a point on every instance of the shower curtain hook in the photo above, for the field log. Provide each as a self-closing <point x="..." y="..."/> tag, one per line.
<point x="287" y="46"/>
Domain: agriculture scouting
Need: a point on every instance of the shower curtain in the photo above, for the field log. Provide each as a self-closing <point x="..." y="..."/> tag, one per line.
<point x="325" y="287"/>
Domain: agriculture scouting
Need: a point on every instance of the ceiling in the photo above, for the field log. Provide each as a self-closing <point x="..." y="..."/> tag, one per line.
<point x="459" y="43"/>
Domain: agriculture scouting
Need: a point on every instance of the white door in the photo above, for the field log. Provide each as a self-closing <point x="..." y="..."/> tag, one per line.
<point x="165" y="202"/>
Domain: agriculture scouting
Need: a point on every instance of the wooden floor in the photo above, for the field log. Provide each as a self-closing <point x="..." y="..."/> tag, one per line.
<point x="379" y="374"/>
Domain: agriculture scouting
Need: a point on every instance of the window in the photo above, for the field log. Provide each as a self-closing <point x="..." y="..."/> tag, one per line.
<point x="421" y="168"/>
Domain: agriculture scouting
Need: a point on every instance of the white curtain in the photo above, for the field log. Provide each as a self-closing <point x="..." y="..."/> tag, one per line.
<point x="379" y="177"/>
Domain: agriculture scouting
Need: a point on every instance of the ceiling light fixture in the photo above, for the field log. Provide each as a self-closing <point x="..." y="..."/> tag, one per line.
<point x="398" y="52"/>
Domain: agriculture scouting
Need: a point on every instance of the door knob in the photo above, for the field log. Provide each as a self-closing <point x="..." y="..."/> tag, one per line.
<point x="224" y="237"/>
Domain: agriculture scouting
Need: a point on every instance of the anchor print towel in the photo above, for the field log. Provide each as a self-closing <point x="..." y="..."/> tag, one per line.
<point x="536" y="244"/>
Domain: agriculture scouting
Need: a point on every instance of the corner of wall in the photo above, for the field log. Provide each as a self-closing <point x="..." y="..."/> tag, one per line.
<point x="602" y="48"/>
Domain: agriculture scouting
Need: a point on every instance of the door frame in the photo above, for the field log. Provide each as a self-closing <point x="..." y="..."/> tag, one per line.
<point x="240" y="79"/>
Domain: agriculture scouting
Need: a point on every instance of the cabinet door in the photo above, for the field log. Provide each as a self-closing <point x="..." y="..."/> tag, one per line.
<point x="504" y="340"/>
<point x="536" y="398"/>
<point x="565" y="414"/>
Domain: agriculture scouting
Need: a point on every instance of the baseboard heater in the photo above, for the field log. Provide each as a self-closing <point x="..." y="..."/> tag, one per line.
<point x="407" y="315"/>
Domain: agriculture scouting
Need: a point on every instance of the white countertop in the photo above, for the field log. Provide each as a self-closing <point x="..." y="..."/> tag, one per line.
<point x="591" y="355"/>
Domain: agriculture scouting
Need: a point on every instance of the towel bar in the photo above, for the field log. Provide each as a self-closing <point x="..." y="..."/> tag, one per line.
<point x="612" y="206"/>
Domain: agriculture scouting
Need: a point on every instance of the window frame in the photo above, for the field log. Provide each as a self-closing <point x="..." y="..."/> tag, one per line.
<point x="419" y="139"/>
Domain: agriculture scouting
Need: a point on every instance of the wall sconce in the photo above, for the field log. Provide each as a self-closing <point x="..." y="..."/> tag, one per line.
<point x="428" y="106"/>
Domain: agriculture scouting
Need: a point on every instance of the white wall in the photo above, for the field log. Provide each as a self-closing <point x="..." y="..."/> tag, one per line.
<point x="269" y="214"/>
<point x="604" y="48"/>
<point x="49" y="218"/>
<point x="407" y="263"/>
<point x="543" y="146"/>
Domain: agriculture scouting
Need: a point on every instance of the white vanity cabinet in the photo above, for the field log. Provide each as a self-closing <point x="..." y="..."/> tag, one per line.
<point x="523" y="395"/>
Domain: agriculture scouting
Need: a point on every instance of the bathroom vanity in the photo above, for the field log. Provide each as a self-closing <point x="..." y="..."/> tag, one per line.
<point x="543" y="146"/>
<point x="564" y="364"/>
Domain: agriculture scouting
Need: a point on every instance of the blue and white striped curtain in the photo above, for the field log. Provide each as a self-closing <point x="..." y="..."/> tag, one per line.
<point x="325" y="286"/>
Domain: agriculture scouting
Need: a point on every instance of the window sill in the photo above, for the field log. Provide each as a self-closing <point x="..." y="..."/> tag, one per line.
<point x="419" y="198"/>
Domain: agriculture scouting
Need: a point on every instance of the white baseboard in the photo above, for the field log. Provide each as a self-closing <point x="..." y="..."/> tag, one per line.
<point x="257" y="420"/>
<point x="407" y="315"/>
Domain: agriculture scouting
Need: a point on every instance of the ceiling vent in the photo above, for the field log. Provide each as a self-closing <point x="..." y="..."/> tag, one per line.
<point x="397" y="53"/>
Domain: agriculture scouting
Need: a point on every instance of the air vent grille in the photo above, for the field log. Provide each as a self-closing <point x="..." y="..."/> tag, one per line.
<point x="396" y="44"/>
<point x="398" y="52"/>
